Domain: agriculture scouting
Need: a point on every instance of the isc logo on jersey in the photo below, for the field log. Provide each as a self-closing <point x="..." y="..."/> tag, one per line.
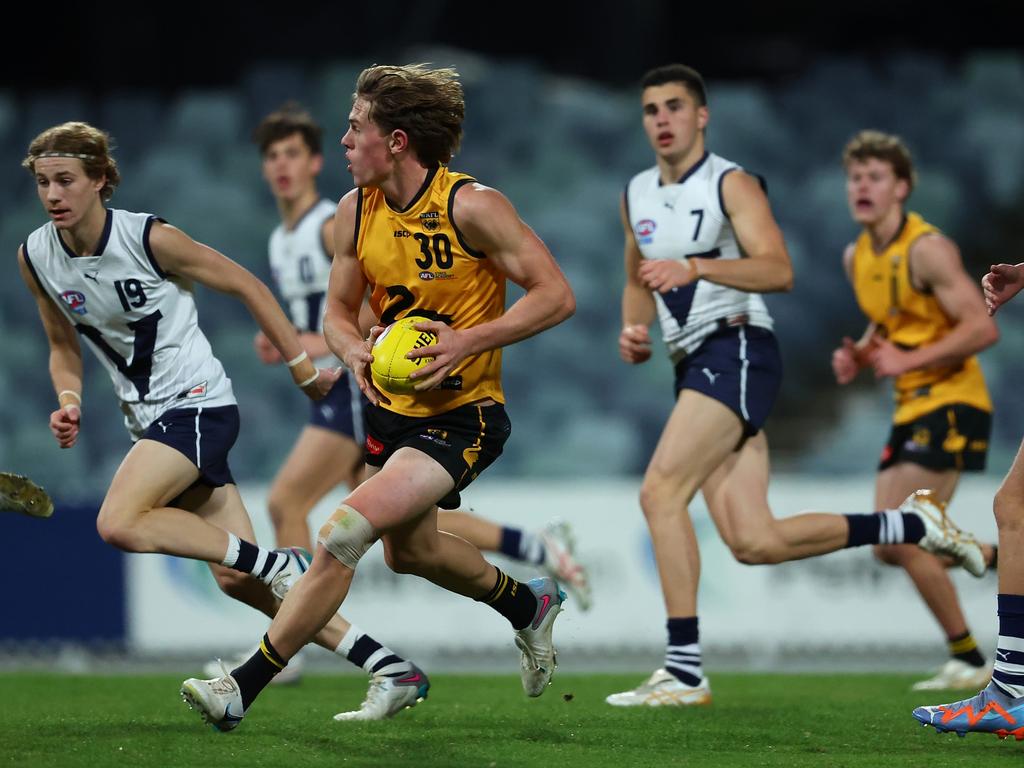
<point x="75" y="301"/>
<point x="391" y="368"/>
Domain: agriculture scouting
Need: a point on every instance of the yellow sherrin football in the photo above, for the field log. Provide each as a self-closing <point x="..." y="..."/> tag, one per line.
<point x="390" y="367"/>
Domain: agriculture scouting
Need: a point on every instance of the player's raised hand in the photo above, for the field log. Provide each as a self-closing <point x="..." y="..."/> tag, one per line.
<point x="357" y="358"/>
<point x="1001" y="284"/>
<point x="635" y="344"/>
<point x="448" y="350"/>
<point x="665" y="274"/>
<point x="266" y="351"/>
<point x="65" y="423"/>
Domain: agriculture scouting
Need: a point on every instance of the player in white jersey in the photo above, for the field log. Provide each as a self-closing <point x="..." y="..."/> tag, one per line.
<point x="700" y="245"/>
<point x="123" y="282"/>
<point x="329" y="450"/>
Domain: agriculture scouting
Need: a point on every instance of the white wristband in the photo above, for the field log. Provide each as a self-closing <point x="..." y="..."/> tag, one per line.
<point x="295" y="361"/>
<point x="71" y="392"/>
<point x="311" y="379"/>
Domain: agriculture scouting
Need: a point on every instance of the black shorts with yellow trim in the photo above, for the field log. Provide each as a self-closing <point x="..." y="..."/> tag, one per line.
<point x="950" y="437"/>
<point x="465" y="440"/>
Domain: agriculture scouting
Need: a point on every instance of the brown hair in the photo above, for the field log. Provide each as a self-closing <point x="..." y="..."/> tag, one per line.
<point x="286" y="120"/>
<point x="83" y="142"/>
<point x="427" y="104"/>
<point x="688" y="77"/>
<point x="885" y="147"/>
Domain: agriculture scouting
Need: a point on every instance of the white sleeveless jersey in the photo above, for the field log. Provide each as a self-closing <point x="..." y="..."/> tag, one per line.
<point x="675" y="221"/>
<point x="141" y="323"/>
<point x="302" y="268"/>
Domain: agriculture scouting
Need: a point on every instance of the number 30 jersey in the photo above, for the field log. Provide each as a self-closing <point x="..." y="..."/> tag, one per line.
<point x="688" y="219"/>
<point x="140" y="322"/>
<point x="418" y="263"/>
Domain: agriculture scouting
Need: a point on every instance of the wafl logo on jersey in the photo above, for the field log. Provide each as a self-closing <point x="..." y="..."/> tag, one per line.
<point x="645" y="230"/>
<point x="75" y="301"/>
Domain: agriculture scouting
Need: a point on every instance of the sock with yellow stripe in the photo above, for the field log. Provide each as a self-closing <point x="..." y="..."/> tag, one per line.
<point x="965" y="648"/>
<point x="254" y="675"/>
<point x="512" y="599"/>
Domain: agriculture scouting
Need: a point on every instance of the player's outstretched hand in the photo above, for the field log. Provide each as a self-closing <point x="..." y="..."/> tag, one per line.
<point x="1001" y="284"/>
<point x="318" y="388"/>
<point x="64" y="423"/>
<point x="635" y="344"/>
<point x="266" y="351"/>
<point x="448" y="351"/>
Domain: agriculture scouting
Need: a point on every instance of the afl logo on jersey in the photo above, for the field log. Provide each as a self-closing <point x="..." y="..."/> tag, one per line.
<point x="645" y="230"/>
<point x="426" y="275"/>
<point x="75" y="301"/>
<point x="431" y="220"/>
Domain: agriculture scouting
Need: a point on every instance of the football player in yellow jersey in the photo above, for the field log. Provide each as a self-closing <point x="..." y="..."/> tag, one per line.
<point x="927" y="323"/>
<point x="404" y="126"/>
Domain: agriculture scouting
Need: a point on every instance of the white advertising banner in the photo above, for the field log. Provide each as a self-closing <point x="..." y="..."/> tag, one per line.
<point x="840" y="600"/>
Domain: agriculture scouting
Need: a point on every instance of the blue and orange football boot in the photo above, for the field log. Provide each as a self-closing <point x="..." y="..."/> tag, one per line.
<point x="990" y="711"/>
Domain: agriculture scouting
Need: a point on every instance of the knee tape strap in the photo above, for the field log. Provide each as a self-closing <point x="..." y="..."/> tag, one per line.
<point x="347" y="535"/>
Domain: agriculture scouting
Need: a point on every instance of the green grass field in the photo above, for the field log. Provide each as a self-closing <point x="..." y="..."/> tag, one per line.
<point x="471" y="720"/>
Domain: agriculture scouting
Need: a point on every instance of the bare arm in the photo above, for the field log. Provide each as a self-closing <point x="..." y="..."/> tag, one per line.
<point x="935" y="263"/>
<point x="768" y="267"/>
<point x="345" y="297"/>
<point x="491" y="225"/>
<point x="852" y="356"/>
<point x="638" y="308"/>
<point x="65" y="361"/>
<point x="178" y="254"/>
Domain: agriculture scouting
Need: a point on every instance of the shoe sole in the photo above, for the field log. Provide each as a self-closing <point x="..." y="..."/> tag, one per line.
<point x="19" y="494"/>
<point x="195" y="703"/>
<point x="1000" y="733"/>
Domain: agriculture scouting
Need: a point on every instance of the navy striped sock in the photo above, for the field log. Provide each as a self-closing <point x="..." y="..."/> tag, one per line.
<point x="890" y="526"/>
<point x="363" y="651"/>
<point x="1008" y="667"/>
<point x="682" y="657"/>
<point x="262" y="563"/>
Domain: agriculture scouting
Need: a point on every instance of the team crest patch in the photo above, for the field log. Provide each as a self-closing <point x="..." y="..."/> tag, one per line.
<point x="75" y="301"/>
<point x="431" y="220"/>
<point x="645" y="230"/>
<point x="199" y="390"/>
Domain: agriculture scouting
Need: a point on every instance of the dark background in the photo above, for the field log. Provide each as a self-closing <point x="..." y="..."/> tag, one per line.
<point x="101" y="46"/>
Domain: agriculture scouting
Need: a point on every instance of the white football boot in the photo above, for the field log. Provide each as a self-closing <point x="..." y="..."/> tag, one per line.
<point x="560" y="563"/>
<point x="956" y="675"/>
<point x="941" y="535"/>
<point x="534" y="640"/>
<point x="390" y="694"/>
<point x="663" y="689"/>
<point x="218" y="701"/>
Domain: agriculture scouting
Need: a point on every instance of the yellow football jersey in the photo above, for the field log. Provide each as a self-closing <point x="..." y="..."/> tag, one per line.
<point x="910" y="318"/>
<point x="418" y="263"/>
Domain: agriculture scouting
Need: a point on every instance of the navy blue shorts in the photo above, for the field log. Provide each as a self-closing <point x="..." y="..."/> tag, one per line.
<point x="738" y="366"/>
<point x="342" y="409"/>
<point x="204" y="435"/>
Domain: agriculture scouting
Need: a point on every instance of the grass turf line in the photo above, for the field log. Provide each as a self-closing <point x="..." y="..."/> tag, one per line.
<point x="475" y="720"/>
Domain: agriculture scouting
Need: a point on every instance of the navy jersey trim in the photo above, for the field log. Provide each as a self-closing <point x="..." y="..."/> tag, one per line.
<point x="451" y="219"/>
<point x="305" y="213"/>
<point x="32" y="269"/>
<point x="690" y="171"/>
<point x="721" y="196"/>
<point x="359" y="218"/>
<point x="313" y="303"/>
<point x="419" y="193"/>
<point x="327" y="252"/>
<point x="149" y="250"/>
<point x="100" y="246"/>
<point x="625" y="205"/>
